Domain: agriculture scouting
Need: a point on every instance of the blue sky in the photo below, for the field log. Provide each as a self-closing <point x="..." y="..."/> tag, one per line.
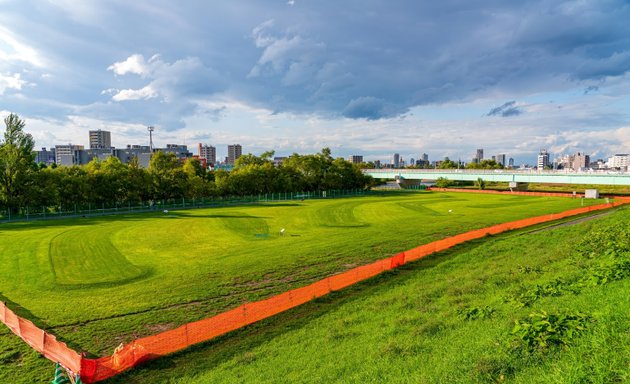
<point x="359" y="76"/>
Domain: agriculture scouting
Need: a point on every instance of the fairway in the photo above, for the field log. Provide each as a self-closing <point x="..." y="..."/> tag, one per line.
<point x="97" y="282"/>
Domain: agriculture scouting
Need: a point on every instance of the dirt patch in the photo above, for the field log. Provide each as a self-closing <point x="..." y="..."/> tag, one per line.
<point x="158" y="328"/>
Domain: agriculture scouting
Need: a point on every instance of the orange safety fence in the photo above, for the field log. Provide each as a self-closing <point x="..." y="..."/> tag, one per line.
<point x="151" y="347"/>
<point x="39" y="340"/>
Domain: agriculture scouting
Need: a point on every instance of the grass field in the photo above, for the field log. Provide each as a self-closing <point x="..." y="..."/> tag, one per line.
<point x="447" y="319"/>
<point x="97" y="282"/>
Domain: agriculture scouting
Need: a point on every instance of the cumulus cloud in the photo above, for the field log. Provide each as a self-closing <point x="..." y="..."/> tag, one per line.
<point x="11" y="82"/>
<point x="134" y="64"/>
<point x="186" y="77"/>
<point x="135" y="94"/>
<point x="171" y="90"/>
<point x="506" y="110"/>
<point x="293" y="58"/>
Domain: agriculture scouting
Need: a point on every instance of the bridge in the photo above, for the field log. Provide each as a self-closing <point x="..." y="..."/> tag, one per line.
<point x="504" y="175"/>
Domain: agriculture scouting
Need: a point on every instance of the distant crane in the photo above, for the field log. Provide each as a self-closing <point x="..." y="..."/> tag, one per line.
<point x="151" y="128"/>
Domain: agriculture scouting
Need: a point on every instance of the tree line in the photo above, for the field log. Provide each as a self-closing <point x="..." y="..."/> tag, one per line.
<point x="24" y="183"/>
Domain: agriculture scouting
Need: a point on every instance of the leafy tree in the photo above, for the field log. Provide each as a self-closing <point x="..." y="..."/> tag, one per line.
<point x="443" y="182"/>
<point x="485" y="164"/>
<point x="17" y="161"/>
<point x="447" y="164"/>
<point x="168" y="176"/>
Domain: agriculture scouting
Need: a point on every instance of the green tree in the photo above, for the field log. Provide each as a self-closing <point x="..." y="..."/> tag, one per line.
<point x="447" y="164"/>
<point x="443" y="182"/>
<point x="16" y="162"/>
<point x="169" y="178"/>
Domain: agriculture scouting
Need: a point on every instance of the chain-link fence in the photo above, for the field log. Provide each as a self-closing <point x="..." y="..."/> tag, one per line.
<point x="98" y="209"/>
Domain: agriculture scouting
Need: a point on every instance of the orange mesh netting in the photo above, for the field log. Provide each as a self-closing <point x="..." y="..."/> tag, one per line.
<point x="134" y="353"/>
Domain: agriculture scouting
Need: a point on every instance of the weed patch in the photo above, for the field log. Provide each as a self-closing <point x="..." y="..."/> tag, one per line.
<point x="542" y="331"/>
<point x="476" y="313"/>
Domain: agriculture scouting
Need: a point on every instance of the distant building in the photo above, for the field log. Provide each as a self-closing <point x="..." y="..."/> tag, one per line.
<point x="209" y="153"/>
<point x="45" y="156"/>
<point x="278" y="160"/>
<point x="580" y="161"/>
<point x="87" y="155"/>
<point x="100" y="139"/>
<point x="141" y="152"/>
<point x="576" y="162"/>
<point x="355" y="159"/>
<point x="396" y="161"/>
<point x="179" y="150"/>
<point x="377" y="163"/>
<point x="511" y="162"/>
<point x="234" y="152"/>
<point x="423" y="163"/>
<point x="619" y="161"/>
<point x="424" y="157"/>
<point x="68" y="154"/>
<point x="501" y="159"/>
<point x="543" y="160"/>
<point x="478" y="156"/>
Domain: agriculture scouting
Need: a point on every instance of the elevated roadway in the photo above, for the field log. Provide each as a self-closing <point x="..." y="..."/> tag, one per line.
<point x="504" y="175"/>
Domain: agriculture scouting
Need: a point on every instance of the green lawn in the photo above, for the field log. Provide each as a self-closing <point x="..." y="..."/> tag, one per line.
<point x="445" y="319"/>
<point x="97" y="282"/>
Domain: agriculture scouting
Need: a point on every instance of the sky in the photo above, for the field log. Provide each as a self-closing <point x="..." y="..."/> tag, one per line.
<point x="367" y="77"/>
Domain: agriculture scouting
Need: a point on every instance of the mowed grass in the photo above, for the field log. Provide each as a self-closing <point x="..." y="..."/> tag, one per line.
<point x="414" y="325"/>
<point x="97" y="282"/>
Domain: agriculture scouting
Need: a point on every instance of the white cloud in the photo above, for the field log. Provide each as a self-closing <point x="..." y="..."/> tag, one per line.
<point x="135" y="94"/>
<point x="134" y="64"/>
<point x="11" y="82"/>
<point x="13" y="50"/>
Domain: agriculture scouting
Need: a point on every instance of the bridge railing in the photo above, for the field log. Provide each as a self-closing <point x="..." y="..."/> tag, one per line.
<point x="495" y="171"/>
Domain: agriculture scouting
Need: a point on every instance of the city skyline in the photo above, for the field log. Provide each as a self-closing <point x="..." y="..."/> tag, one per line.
<point x="362" y="77"/>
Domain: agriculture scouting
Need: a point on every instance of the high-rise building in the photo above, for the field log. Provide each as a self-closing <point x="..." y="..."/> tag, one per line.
<point x="511" y="162"/>
<point x="396" y="161"/>
<point x="355" y="159"/>
<point x="543" y="160"/>
<point x="479" y="155"/>
<point x="425" y="157"/>
<point x="100" y="139"/>
<point x="68" y="154"/>
<point x="209" y="153"/>
<point x="501" y="159"/>
<point x="234" y="152"/>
